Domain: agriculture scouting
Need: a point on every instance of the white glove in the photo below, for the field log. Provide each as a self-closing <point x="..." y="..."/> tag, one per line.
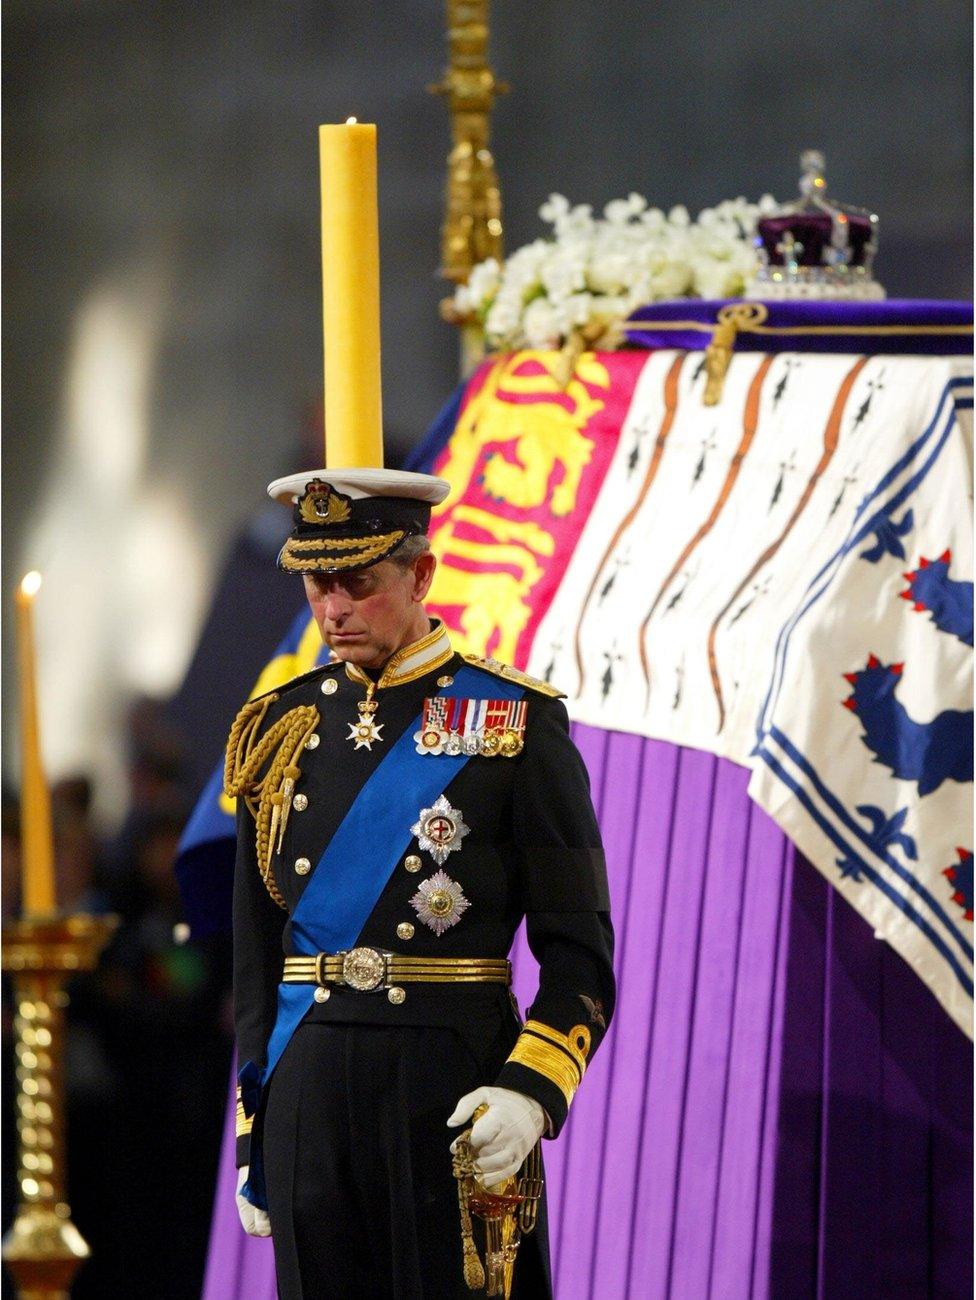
<point x="504" y="1135"/>
<point x="255" y="1222"/>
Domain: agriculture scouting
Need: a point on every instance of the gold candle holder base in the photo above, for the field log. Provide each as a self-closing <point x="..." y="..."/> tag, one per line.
<point x="43" y="1248"/>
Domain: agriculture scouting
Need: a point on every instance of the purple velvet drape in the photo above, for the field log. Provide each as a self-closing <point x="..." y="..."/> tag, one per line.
<point x="780" y="1108"/>
<point x="873" y="1194"/>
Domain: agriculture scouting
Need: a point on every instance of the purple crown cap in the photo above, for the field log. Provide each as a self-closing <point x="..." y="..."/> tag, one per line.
<point x="816" y="247"/>
<point x="816" y="230"/>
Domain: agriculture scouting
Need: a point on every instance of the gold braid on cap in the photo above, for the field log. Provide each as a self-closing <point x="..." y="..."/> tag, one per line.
<point x="269" y="797"/>
<point x="360" y="551"/>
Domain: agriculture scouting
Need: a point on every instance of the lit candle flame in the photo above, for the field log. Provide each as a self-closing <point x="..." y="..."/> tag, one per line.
<point x="351" y="121"/>
<point x="37" y="854"/>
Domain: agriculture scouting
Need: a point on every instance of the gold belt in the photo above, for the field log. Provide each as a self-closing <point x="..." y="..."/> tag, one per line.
<point x="366" y="969"/>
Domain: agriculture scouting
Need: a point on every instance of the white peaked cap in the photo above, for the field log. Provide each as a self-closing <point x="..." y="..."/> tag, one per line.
<point x="360" y="483"/>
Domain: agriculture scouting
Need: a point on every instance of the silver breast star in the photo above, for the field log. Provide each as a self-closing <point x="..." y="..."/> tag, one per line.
<point x="440" y="830"/>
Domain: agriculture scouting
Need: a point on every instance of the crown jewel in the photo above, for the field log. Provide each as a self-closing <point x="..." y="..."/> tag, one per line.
<point x="816" y="247"/>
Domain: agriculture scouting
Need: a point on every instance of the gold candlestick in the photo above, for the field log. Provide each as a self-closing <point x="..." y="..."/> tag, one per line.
<point x="472" y="229"/>
<point x="43" y="1248"/>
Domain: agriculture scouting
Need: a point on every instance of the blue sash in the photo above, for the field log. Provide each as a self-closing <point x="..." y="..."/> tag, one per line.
<point x="353" y="872"/>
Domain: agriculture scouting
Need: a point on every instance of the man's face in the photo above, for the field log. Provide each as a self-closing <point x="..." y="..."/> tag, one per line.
<point x="368" y="614"/>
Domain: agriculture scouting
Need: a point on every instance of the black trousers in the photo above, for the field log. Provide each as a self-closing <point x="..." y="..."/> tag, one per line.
<point x="361" y="1195"/>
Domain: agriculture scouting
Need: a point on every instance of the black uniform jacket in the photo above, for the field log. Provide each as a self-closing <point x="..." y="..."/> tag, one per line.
<point x="533" y="850"/>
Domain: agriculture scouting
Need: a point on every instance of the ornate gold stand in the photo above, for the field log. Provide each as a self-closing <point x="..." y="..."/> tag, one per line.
<point x="43" y="1248"/>
<point x="472" y="229"/>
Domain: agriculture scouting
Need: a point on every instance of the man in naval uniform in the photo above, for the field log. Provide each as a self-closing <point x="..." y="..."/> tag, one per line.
<point x="400" y="811"/>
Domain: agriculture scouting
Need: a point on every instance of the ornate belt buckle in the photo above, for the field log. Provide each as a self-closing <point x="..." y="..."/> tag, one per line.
<point x="364" y="969"/>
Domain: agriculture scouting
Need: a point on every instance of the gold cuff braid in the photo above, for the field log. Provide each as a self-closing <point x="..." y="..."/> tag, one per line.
<point x="555" y="1055"/>
<point x="243" y="1123"/>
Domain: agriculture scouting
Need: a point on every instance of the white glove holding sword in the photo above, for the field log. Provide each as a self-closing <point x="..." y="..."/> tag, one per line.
<point x="505" y="1133"/>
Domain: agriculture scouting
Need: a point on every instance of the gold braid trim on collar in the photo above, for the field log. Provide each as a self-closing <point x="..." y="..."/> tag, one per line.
<point x="410" y="661"/>
<point x="267" y="798"/>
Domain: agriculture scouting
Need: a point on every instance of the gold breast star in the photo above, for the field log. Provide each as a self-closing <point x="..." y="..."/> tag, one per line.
<point x="365" y="731"/>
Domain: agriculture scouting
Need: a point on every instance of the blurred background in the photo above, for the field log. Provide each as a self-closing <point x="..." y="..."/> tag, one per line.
<point x="163" y="362"/>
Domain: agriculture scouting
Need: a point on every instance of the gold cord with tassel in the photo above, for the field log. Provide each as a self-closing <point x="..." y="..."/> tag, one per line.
<point x="732" y="318"/>
<point x="465" y="1171"/>
<point x="268" y="799"/>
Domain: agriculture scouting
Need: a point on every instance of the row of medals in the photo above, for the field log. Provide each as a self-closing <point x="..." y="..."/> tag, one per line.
<point x="490" y="742"/>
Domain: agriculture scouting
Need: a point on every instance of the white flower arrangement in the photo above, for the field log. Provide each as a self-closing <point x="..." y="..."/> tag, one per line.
<point x="588" y="277"/>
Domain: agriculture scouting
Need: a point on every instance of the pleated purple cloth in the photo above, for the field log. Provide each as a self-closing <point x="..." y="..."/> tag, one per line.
<point x="780" y="1107"/>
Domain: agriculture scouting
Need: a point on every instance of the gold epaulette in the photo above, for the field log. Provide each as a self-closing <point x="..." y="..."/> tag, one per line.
<point x="510" y="674"/>
<point x="263" y="769"/>
<point x="561" y="1058"/>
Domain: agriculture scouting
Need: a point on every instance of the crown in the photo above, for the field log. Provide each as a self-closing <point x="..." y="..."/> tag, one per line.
<point x="816" y="247"/>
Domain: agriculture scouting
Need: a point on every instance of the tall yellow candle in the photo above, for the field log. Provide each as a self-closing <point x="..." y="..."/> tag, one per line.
<point x="351" y="296"/>
<point x="37" y="846"/>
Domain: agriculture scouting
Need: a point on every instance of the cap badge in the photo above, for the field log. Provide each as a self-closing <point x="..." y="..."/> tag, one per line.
<point x="322" y="504"/>
<point x="439" y="902"/>
<point x="440" y="830"/>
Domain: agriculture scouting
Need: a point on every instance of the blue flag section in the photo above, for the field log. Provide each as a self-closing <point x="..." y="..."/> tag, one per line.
<point x="205" y="857"/>
<point x="435" y="440"/>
